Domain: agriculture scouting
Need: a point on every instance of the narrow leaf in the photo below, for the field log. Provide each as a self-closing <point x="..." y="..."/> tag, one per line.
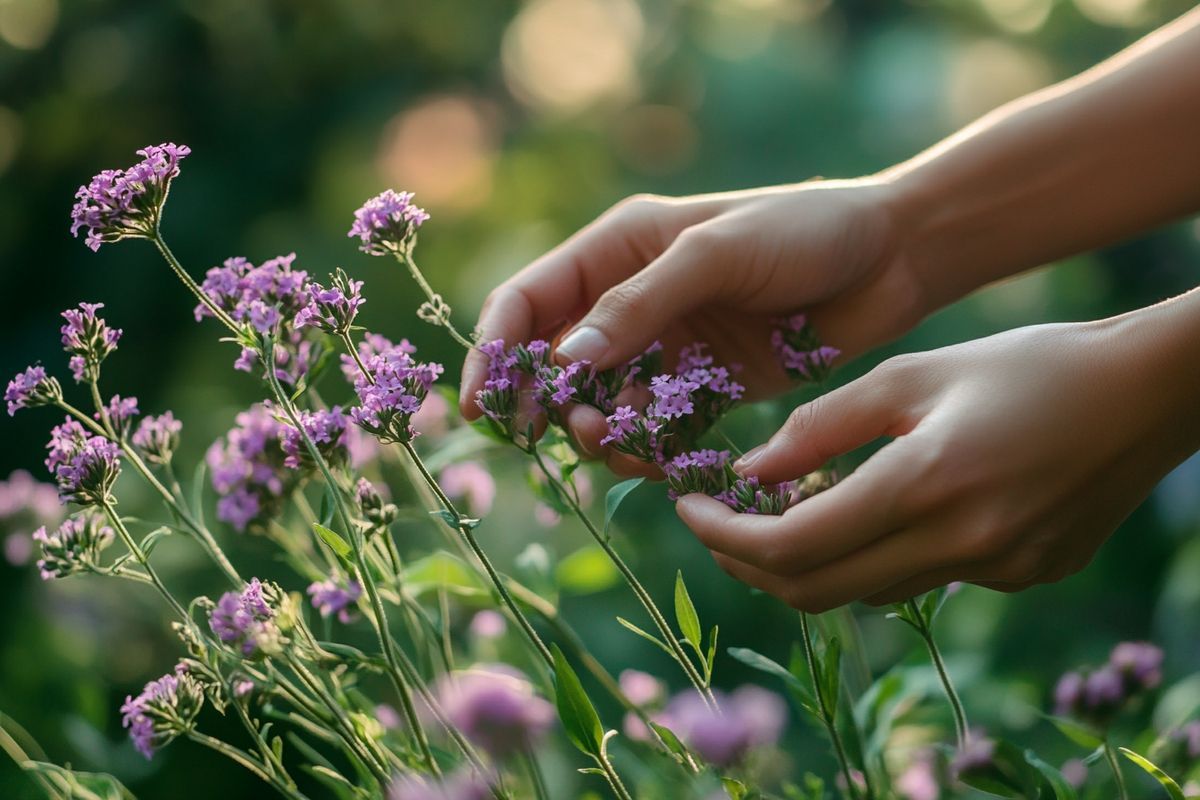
<point x="1077" y="733"/>
<point x="1173" y="790"/>
<point x="758" y="661"/>
<point x="1062" y="789"/>
<point x="331" y="538"/>
<point x="831" y="674"/>
<point x="586" y="571"/>
<point x="685" y="613"/>
<point x="647" y="636"/>
<point x="616" y="495"/>
<point x="578" y="715"/>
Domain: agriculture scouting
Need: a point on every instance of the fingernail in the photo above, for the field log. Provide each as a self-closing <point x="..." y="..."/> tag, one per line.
<point x="584" y="344"/>
<point x="747" y="460"/>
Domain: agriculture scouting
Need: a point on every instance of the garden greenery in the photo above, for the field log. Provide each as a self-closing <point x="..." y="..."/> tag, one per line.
<point x="306" y="473"/>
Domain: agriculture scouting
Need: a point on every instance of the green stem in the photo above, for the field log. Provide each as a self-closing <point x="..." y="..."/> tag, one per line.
<point x="1115" y="765"/>
<point x="247" y="761"/>
<point x="935" y="655"/>
<point x="610" y="772"/>
<point x="535" y="775"/>
<point x="140" y="557"/>
<point x="827" y="712"/>
<point x="191" y="284"/>
<point x="405" y="257"/>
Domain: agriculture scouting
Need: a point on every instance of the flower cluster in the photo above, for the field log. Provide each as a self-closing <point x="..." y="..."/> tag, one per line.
<point x="74" y="547"/>
<point x="580" y="382"/>
<point x="391" y="387"/>
<point x="119" y="412"/>
<point x="387" y="223"/>
<point x="88" y="339"/>
<point x="30" y="389"/>
<point x="325" y="428"/>
<point x="709" y="472"/>
<point x="85" y="466"/>
<point x="124" y="203"/>
<point x="157" y="437"/>
<point x="496" y="708"/>
<point x="245" y="620"/>
<point x="1097" y="696"/>
<point x="331" y="310"/>
<point x="800" y="351"/>
<point x="247" y="468"/>
<point x="336" y="597"/>
<point x="374" y="509"/>
<point x="749" y="718"/>
<point x="166" y="708"/>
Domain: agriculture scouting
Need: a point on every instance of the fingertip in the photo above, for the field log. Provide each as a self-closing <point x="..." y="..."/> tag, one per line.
<point x="701" y="511"/>
<point x="586" y="427"/>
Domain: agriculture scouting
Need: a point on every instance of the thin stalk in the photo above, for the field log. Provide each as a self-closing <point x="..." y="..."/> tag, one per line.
<point x="935" y="655"/>
<point x="827" y="716"/>
<point x="247" y="761"/>
<point x="140" y="556"/>
<point x="610" y="772"/>
<point x="724" y="437"/>
<point x="639" y="591"/>
<point x="535" y="775"/>
<point x="191" y="284"/>
<point x="405" y="257"/>
<point x="1115" y="765"/>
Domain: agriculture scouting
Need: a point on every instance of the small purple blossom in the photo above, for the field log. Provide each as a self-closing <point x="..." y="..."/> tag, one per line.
<point x="74" y="547"/>
<point x="749" y="496"/>
<point x="641" y="688"/>
<point x="120" y="412"/>
<point x="800" y="351"/>
<point x="247" y="468"/>
<point x="127" y="203"/>
<point x="88" y="339"/>
<point x="84" y="466"/>
<point x="244" y="620"/>
<point x="157" y="437"/>
<point x="488" y="624"/>
<point x="499" y="397"/>
<point x="750" y="717"/>
<point x="166" y="708"/>
<point x="1097" y="696"/>
<point x="469" y="480"/>
<point x="332" y="310"/>
<point x="325" y="428"/>
<point x="496" y="708"/>
<point x="30" y="389"/>
<point x="703" y="471"/>
<point x="392" y="390"/>
<point x="387" y="223"/>
<point x="336" y="597"/>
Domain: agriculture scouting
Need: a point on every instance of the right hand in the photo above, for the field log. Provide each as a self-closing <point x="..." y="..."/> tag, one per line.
<point x="712" y="268"/>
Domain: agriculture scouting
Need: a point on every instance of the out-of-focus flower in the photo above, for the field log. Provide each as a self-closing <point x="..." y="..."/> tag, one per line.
<point x="242" y="688"/>
<point x="460" y="785"/>
<point x="975" y="755"/>
<point x="641" y="688"/>
<point x="919" y="780"/>
<point x="245" y="621"/>
<point x="750" y="717"/>
<point x="374" y="509"/>
<point x="432" y="418"/>
<point x="247" y="468"/>
<point x="1096" y="696"/>
<point x="30" y="389"/>
<point x="158" y="437"/>
<point x="546" y="516"/>
<point x="470" y="480"/>
<point x="127" y="203"/>
<point x="488" y="624"/>
<point x="496" y="708"/>
<point x="166" y="708"/>
<point x="388" y="717"/>
<point x="336" y="597"/>
<point x="1075" y="772"/>
<point x="74" y="547"/>
<point x="800" y="351"/>
<point x="325" y="428"/>
<point x="332" y="310"/>
<point x="88" y="339"/>
<point x="387" y="223"/>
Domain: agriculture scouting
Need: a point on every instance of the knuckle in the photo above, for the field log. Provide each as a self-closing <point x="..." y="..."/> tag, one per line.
<point x="895" y="369"/>
<point x="637" y="205"/>
<point x="629" y="297"/>
<point x="701" y="239"/>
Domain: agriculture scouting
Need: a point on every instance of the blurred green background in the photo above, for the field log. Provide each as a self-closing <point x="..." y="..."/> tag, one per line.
<point x="515" y="123"/>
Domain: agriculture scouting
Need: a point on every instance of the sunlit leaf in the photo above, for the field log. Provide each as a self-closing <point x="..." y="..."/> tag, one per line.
<point x="1165" y="780"/>
<point x="575" y="709"/>
<point x="685" y="613"/>
<point x="333" y="539"/>
<point x="586" y="571"/>
<point x="616" y="495"/>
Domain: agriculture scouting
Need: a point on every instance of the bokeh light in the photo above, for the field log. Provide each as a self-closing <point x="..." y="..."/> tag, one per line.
<point x="27" y="24"/>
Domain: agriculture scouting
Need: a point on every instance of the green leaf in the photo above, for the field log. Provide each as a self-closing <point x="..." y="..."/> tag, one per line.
<point x="735" y="789"/>
<point x="1173" y="790"/>
<point x="1062" y="789"/>
<point x="670" y="739"/>
<point x="647" y="636"/>
<point x="453" y="521"/>
<point x="1078" y="733"/>
<point x="336" y="543"/>
<point x="831" y="675"/>
<point x="758" y="661"/>
<point x="198" y="491"/>
<point x="441" y="570"/>
<point x="685" y="613"/>
<point x="575" y="709"/>
<point x="1007" y="775"/>
<point x="586" y="571"/>
<point x="712" y="650"/>
<point x="616" y="495"/>
<point x="82" y="785"/>
<point x="932" y="603"/>
<point x="328" y="504"/>
<point x="151" y="539"/>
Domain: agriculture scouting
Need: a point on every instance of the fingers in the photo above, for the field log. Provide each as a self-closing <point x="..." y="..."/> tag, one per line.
<point x="630" y="315"/>
<point x="835" y="423"/>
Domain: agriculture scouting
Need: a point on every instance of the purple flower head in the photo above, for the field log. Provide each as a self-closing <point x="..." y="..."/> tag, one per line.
<point x="1068" y="693"/>
<point x="633" y="434"/>
<point x="470" y="480"/>
<point x="332" y="310"/>
<point x="751" y="717"/>
<point x="30" y="389"/>
<point x="500" y="395"/>
<point x="157" y="437"/>
<point x="496" y="708"/>
<point x="641" y="688"/>
<point x="463" y="784"/>
<point x="672" y="397"/>
<point x="374" y="509"/>
<point x="325" y="428"/>
<point x="166" y="708"/>
<point x="74" y="547"/>
<point x="88" y="339"/>
<point x="120" y="412"/>
<point x="703" y="471"/>
<point x="749" y="496"/>
<point x="392" y="391"/>
<point x="1103" y="688"/>
<point x="127" y="203"/>
<point x="800" y="351"/>
<point x="920" y="780"/>
<point x="1139" y="662"/>
<point x="84" y="466"/>
<point x="245" y="620"/>
<point x="387" y="223"/>
<point x="336" y="597"/>
<point x="488" y="624"/>
<point x="247" y="468"/>
<point x="1097" y="696"/>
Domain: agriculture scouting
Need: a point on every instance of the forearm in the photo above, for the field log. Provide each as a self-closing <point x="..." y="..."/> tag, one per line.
<point x="1082" y="164"/>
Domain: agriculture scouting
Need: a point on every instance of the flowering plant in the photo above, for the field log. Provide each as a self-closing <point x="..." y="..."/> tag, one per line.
<point x="413" y="715"/>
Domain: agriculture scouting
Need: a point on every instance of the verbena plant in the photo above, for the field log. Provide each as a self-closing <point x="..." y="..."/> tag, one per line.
<point x="310" y="474"/>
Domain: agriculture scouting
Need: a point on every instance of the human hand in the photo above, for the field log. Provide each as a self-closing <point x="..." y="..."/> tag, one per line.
<point x="1015" y="458"/>
<point x="712" y="268"/>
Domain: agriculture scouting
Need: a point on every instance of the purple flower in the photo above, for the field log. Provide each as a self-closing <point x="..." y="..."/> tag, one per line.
<point x="1139" y="661"/>
<point x="388" y="717"/>
<point x="387" y="223"/>
<point x="74" y="547"/>
<point x="120" y="412"/>
<point x="166" y="708"/>
<point x="702" y="471"/>
<point x="751" y="717"/>
<point x="1068" y="693"/>
<point x="332" y="310"/>
<point x="800" y="351"/>
<point x="157" y="437"/>
<point x="244" y="620"/>
<point x="1097" y="696"/>
<point x="88" y="339"/>
<point x="324" y="428"/>
<point x="495" y="707"/>
<point x="472" y="481"/>
<point x="499" y="397"/>
<point x="488" y="624"/>
<point x="127" y="203"/>
<point x="460" y="785"/>
<point x="30" y="389"/>
<point x="247" y="468"/>
<point x="372" y="506"/>
<point x="1104" y="687"/>
<point x="641" y="688"/>
<point x="392" y="391"/>
<point x="84" y="466"/>
<point x="633" y="434"/>
<point x="336" y="597"/>
<point x="748" y="496"/>
<point x="919" y="780"/>
<point x="974" y="756"/>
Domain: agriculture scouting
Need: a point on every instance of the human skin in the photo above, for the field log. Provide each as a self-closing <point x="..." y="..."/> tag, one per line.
<point x="1014" y="457"/>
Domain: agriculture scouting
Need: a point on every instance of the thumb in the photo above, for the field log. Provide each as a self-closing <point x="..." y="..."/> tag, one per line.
<point x="632" y="314"/>
<point x="835" y="423"/>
